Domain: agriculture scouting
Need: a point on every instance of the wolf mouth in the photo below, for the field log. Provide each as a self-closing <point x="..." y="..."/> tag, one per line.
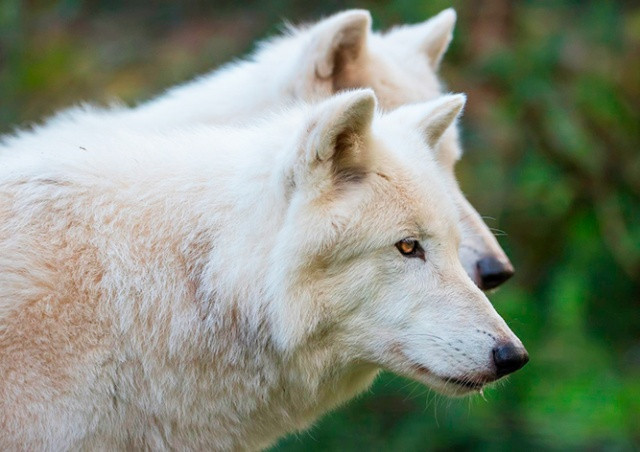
<point x="468" y="384"/>
<point x="473" y="385"/>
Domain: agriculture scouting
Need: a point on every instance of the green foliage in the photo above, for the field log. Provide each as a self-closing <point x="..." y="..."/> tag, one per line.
<point x="552" y="139"/>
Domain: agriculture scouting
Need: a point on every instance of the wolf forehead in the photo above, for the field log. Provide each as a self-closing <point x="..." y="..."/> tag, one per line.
<point x="394" y="198"/>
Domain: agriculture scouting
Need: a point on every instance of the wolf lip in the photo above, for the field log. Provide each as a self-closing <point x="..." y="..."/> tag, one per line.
<point x="473" y="385"/>
<point x="469" y="384"/>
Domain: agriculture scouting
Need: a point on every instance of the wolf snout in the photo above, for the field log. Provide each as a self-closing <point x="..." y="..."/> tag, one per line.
<point x="509" y="357"/>
<point x="492" y="272"/>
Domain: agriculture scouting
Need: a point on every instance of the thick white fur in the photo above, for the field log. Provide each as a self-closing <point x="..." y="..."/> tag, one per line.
<point x="312" y="63"/>
<point x="215" y="288"/>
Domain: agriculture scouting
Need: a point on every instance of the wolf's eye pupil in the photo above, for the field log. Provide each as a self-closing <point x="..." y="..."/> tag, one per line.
<point x="410" y="248"/>
<point x="407" y="246"/>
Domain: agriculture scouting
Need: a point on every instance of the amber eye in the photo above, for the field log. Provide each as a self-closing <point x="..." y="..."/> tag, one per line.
<point x="410" y="248"/>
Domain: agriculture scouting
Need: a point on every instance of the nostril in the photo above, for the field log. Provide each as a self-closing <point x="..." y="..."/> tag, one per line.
<point x="508" y="358"/>
<point x="493" y="272"/>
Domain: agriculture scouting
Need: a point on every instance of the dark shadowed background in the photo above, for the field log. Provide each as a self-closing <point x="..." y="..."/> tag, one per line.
<point x="552" y="139"/>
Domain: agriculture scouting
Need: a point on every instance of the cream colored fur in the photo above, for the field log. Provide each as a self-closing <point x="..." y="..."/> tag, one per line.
<point x="312" y="63"/>
<point x="216" y="288"/>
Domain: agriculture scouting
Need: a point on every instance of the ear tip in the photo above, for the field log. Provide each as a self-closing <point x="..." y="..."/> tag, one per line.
<point x="361" y="101"/>
<point x="367" y="92"/>
<point x="449" y="16"/>
<point x="361" y="13"/>
<point x="365" y="98"/>
<point x="456" y="100"/>
<point x="460" y="97"/>
<point x="360" y="17"/>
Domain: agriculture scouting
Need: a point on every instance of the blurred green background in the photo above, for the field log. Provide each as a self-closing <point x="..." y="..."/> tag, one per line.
<point x="552" y="139"/>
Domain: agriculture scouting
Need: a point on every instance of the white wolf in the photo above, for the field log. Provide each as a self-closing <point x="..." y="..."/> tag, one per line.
<point x="340" y="52"/>
<point x="217" y="288"/>
<point x="313" y="63"/>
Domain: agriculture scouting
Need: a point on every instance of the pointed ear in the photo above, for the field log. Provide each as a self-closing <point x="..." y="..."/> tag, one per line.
<point x="440" y="115"/>
<point x="339" y="40"/>
<point x="431" y="37"/>
<point x="439" y="35"/>
<point x="336" y="135"/>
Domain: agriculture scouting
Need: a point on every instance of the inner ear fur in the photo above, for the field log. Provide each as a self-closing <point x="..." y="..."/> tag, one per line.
<point x="339" y="41"/>
<point x="335" y="140"/>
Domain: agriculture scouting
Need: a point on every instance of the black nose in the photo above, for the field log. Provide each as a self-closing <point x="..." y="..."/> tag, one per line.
<point x="493" y="272"/>
<point x="508" y="358"/>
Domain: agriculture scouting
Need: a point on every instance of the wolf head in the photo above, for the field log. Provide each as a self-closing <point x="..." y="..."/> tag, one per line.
<point x="366" y="264"/>
<point x="400" y="66"/>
